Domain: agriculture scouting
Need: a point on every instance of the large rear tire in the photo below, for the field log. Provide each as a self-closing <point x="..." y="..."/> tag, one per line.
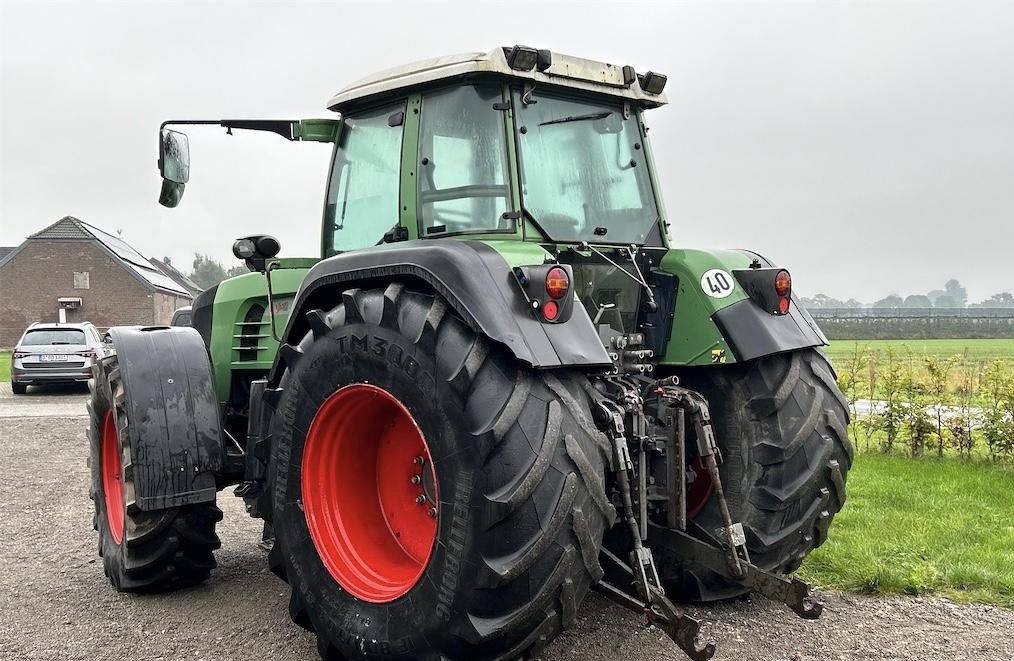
<point x="781" y="425"/>
<point x="511" y="466"/>
<point x="142" y="550"/>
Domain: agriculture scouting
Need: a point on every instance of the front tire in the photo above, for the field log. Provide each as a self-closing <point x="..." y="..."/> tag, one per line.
<point x="517" y="479"/>
<point x="141" y="550"/>
<point x="780" y="423"/>
<point x="19" y="388"/>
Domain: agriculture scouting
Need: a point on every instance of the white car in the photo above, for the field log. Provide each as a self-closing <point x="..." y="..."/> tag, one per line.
<point x="55" y="353"/>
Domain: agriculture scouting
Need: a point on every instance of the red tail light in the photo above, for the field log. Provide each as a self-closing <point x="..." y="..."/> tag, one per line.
<point x="550" y="310"/>
<point x="783" y="305"/>
<point x="90" y="353"/>
<point x="783" y="283"/>
<point x="557" y="284"/>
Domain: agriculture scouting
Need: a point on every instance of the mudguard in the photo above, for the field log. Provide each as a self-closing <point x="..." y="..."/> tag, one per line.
<point x="727" y="327"/>
<point x="174" y="426"/>
<point x="477" y="282"/>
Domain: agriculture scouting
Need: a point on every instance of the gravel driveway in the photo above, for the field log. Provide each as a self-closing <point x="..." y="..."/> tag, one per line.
<point x="56" y="604"/>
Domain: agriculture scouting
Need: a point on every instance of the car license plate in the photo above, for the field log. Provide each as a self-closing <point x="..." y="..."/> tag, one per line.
<point x="53" y="358"/>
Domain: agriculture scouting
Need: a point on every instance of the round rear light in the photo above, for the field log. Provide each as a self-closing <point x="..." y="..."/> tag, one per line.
<point x="550" y="310"/>
<point x="783" y="305"/>
<point x="557" y="283"/>
<point x="783" y="283"/>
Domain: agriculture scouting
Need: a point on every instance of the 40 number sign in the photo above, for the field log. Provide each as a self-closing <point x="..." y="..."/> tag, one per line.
<point x="717" y="283"/>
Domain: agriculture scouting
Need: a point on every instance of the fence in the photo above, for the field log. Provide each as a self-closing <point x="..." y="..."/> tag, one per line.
<point x="914" y="323"/>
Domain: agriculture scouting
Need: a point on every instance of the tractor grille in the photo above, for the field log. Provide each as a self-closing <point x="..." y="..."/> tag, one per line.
<point x="249" y="334"/>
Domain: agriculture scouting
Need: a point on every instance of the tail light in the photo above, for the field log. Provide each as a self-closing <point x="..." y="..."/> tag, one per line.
<point x="550" y="310"/>
<point x="557" y="283"/>
<point x="783" y="283"/>
<point x="90" y="353"/>
<point x="770" y="288"/>
<point x="547" y="291"/>
<point x="20" y="354"/>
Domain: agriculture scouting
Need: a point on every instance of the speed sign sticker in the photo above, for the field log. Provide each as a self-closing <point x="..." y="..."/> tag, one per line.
<point x="717" y="283"/>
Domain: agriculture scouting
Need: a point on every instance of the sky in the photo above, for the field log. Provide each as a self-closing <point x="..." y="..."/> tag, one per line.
<point x="866" y="146"/>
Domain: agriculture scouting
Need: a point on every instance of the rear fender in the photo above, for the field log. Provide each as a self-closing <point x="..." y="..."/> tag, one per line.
<point x="716" y="322"/>
<point x="174" y="425"/>
<point x="476" y="280"/>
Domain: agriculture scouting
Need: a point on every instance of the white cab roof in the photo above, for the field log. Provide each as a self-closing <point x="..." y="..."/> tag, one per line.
<point x="565" y="71"/>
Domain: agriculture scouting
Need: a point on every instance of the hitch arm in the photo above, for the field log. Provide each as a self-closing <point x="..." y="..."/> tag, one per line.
<point x="793" y="592"/>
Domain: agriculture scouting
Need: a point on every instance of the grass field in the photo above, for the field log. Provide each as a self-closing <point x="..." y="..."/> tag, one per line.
<point x="919" y="527"/>
<point x="5" y="365"/>
<point x="972" y="351"/>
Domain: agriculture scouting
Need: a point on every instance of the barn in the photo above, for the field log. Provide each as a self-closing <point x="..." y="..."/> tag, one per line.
<point x="76" y="272"/>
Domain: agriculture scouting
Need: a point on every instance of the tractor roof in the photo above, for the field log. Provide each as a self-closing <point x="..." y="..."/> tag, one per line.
<point x="562" y="71"/>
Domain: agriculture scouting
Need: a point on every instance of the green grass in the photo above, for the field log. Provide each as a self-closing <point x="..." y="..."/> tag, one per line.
<point x="5" y="365"/>
<point x="973" y="351"/>
<point x="920" y="527"/>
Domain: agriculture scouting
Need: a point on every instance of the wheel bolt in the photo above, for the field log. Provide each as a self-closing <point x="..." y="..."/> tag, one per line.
<point x="419" y="460"/>
<point x="432" y="512"/>
<point x="415" y="479"/>
<point x="420" y="499"/>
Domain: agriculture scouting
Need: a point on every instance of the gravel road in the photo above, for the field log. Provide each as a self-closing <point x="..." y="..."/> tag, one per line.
<point x="56" y="604"/>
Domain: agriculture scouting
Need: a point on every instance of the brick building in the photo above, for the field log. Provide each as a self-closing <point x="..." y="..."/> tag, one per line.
<point x="92" y="275"/>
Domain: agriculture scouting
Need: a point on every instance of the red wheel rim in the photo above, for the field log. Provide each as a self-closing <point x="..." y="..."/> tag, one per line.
<point x="369" y="493"/>
<point x="112" y="477"/>
<point x="698" y="491"/>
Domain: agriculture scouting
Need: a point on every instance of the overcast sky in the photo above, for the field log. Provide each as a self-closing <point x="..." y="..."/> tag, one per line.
<point x="869" y="147"/>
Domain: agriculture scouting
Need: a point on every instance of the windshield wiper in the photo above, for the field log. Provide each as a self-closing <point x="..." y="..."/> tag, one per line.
<point x="578" y="118"/>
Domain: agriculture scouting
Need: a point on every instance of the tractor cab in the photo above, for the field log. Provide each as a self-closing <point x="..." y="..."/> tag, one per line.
<point x="511" y="144"/>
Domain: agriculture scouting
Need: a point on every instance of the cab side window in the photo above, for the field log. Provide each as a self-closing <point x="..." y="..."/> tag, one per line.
<point x="362" y="195"/>
<point x="462" y="162"/>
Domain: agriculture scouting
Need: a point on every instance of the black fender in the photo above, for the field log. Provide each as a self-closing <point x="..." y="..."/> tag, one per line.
<point x="174" y="423"/>
<point x="475" y="280"/>
<point x="752" y="332"/>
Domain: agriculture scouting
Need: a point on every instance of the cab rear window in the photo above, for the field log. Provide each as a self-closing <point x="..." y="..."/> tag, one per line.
<point x="53" y="336"/>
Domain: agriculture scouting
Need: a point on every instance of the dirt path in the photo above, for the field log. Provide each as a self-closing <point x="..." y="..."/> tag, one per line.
<point x="56" y="604"/>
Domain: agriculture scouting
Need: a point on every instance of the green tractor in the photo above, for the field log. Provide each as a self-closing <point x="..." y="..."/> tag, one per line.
<point x="500" y="385"/>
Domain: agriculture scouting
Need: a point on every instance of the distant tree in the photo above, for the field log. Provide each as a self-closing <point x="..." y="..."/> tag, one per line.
<point x="934" y="295"/>
<point x="954" y="289"/>
<point x="207" y="272"/>
<point x="945" y="301"/>
<point x="853" y="304"/>
<point x="917" y="301"/>
<point x="821" y="301"/>
<point x="892" y="301"/>
<point x="240" y="269"/>
<point x="1002" y="300"/>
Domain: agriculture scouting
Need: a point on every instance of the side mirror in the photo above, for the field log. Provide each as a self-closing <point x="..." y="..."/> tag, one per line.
<point x="174" y="166"/>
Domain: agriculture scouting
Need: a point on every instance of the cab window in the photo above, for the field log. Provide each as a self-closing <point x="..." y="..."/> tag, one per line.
<point x="362" y="194"/>
<point x="462" y="162"/>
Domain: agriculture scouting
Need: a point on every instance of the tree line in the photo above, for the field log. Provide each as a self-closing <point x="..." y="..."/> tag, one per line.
<point x="952" y="295"/>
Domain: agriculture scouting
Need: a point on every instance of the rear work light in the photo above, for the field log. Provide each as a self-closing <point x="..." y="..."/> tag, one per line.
<point x="557" y="283"/>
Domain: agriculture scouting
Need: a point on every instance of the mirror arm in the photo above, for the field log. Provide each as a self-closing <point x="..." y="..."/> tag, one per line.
<point x="283" y="127"/>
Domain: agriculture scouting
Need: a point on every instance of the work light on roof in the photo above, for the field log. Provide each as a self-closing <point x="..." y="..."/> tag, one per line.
<point x="653" y="83"/>
<point x="522" y="58"/>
